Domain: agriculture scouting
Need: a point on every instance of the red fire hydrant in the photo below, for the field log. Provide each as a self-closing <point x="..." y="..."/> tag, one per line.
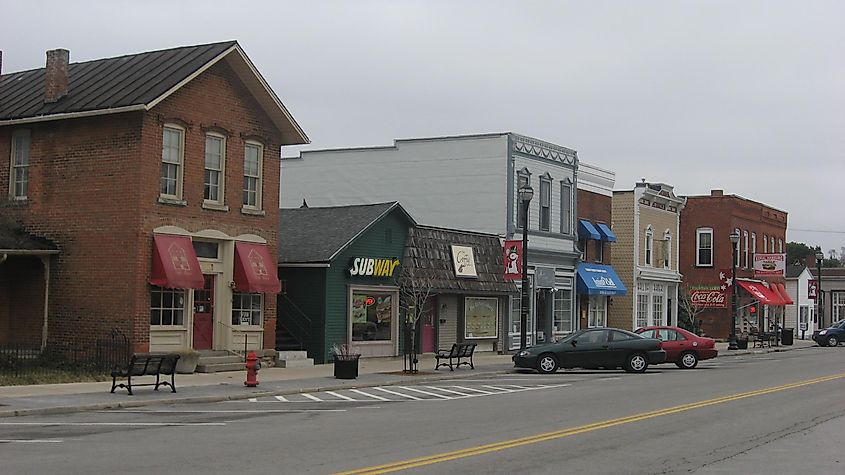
<point x="252" y="367"/>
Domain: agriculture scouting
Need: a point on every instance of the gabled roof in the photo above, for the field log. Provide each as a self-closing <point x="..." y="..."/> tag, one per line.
<point x="16" y="241"/>
<point x="428" y="260"/>
<point x="136" y="82"/>
<point x="793" y="271"/>
<point x="317" y="235"/>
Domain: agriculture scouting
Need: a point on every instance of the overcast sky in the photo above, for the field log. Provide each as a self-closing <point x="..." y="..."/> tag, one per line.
<point x="745" y="96"/>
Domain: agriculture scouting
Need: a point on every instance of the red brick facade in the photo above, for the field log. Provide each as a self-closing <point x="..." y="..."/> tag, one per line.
<point x="723" y="214"/>
<point x="94" y="189"/>
<point x="596" y="208"/>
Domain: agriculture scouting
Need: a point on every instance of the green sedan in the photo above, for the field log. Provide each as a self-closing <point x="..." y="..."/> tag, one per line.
<point x="593" y="348"/>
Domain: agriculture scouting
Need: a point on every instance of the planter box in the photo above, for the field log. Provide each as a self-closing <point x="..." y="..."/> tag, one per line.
<point x="187" y="363"/>
<point x="346" y="368"/>
<point x="742" y="344"/>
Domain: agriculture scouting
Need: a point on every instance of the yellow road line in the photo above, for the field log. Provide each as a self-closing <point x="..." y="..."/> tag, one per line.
<point x="507" y="444"/>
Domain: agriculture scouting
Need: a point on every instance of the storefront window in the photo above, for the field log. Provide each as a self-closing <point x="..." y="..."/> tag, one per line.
<point x="481" y="317"/>
<point x="837" y="305"/>
<point x="597" y="311"/>
<point x="246" y="309"/>
<point x="167" y="307"/>
<point x="372" y="314"/>
<point x="642" y="310"/>
<point x="562" y="320"/>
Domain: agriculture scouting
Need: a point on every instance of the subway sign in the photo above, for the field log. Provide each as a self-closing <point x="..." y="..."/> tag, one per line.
<point x="373" y="267"/>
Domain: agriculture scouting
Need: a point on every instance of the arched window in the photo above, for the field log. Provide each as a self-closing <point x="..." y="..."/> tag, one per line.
<point x="649" y="246"/>
<point x="737" y="247"/>
<point x="745" y="249"/>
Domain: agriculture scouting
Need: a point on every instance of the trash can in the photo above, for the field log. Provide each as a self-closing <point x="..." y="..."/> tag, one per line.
<point x="742" y="344"/>
<point x="786" y="336"/>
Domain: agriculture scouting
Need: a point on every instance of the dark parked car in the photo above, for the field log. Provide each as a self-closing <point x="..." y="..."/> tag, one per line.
<point x="683" y="348"/>
<point x="832" y="335"/>
<point x="593" y="348"/>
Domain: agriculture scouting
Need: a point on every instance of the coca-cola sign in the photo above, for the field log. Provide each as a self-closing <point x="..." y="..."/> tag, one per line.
<point x="707" y="298"/>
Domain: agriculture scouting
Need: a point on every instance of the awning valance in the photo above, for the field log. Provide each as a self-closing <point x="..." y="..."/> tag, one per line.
<point x="606" y="233"/>
<point x="586" y="230"/>
<point x="784" y="295"/>
<point x="761" y="293"/>
<point x="599" y="279"/>
<point x="175" y="264"/>
<point x="255" y="271"/>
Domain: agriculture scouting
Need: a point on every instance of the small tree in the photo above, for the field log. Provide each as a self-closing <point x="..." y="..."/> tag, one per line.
<point x="415" y="289"/>
<point x="689" y="310"/>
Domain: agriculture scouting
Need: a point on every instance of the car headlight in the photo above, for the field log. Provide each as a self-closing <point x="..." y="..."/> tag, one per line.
<point x="523" y="353"/>
<point x="822" y="332"/>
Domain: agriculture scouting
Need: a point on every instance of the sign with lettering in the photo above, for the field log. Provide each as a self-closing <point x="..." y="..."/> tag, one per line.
<point x="463" y="258"/>
<point x="768" y="265"/>
<point x="373" y="267"/>
<point x="707" y="297"/>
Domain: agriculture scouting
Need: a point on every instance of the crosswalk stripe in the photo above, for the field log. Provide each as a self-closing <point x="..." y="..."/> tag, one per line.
<point x="497" y="388"/>
<point x="312" y="397"/>
<point x="282" y="398"/>
<point x="449" y="391"/>
<point x="473" y="389"/>
<point x="253" y="399"/>
<point x="341" y="396"/>
<point x="524" y="388"/>
<point x="424" y="392"/>
<point x="398" y="394"/>
<point x="356" y="391"/>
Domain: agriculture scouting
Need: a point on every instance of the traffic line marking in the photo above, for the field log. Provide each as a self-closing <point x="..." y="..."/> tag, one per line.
<point x="559" y="434"/>
<point x="341" y="396"/>
<point x="312" y="397"/>
<point x="30" y="441"/>
<point x="395" y="393"/>
<point x="223" y="411"/>
<point x="406" y="388"/>
<point x="280" y="398"/>
<point x="138" y="424"/>
<point x="357" y="391"/>
<point x="473" y="389"/>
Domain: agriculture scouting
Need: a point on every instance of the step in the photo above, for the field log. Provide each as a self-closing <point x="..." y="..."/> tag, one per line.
<point x="220" y="367"/>
<point x="297" y="363"/>
<point x="291" y="355"/>
<point x="206" y="360"/>
<point x="204" y="353"/>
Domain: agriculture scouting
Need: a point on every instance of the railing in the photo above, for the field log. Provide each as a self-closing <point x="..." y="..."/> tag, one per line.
<point x="29" y="364"/>
<point x="298" y="326"/>
<point x="234" y="331"/>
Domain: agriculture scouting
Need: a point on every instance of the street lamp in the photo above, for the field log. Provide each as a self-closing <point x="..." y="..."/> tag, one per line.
<point x="525" y="194"/>
<point x="734" y="243"/>
<point x="819" y="293"/>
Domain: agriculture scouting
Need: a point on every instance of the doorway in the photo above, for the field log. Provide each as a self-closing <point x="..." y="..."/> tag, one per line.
<point x="204" y="315"/>
<point x="428" y="328"/>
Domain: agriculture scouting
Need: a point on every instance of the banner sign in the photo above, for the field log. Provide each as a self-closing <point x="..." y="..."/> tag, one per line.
<point x="769" y="265"/>
<point x="513" y="260"/>
<point x="812" y="289"/>
<point x="725" y="280"/>
<point x="707" y="297"/>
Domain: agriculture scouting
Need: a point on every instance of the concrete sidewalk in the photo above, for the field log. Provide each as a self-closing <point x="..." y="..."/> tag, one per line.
<point x="215" y="387"/>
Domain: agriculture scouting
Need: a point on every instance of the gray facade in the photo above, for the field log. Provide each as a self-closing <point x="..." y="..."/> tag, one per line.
<point x="465" y="182"/>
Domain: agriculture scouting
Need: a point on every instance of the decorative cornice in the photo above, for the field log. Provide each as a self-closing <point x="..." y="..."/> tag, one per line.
<point x="544" y="150"/>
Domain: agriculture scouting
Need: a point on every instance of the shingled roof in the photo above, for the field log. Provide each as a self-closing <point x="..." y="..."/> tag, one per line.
<point x="316" y="235"/>
<point x="135" y="82"/>
<point x="428" y="251"/>
<point x="17" y="241"/>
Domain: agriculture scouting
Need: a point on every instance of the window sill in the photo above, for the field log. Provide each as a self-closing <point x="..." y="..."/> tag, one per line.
<point x="704" y="266"/>
<point x="19" y="201"/>
<point x="214" y="206"/>
<point x="172" y="201"/>
<point x="252" y="211"/>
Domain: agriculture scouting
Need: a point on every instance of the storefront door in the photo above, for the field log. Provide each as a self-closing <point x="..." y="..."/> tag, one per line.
<point x="428" y="342"/>
<point x="542" y="312"/>
<point x="204" y="315"/>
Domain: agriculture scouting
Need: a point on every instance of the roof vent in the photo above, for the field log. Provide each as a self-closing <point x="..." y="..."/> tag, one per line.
<point x="56" y="77"/>
<point x="717" y="193"/>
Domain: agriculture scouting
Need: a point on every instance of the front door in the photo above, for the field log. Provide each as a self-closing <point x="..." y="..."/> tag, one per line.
<point x="542" y="313"/>
<point x="428" y="330"/>
<point x="204" y="315"/>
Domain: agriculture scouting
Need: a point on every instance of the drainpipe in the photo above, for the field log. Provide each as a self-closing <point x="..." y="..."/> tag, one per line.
<point x="45" y="260"/>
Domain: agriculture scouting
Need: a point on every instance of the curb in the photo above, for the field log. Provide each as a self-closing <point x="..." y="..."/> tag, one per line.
<point x="282" y="392"/>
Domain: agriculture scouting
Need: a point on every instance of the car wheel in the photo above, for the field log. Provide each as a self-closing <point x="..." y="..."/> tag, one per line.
<point x="547" y="363"/>
<point x="637" y="363"/>
<point x="688" y="360"/>
<point x="832" y="340"/>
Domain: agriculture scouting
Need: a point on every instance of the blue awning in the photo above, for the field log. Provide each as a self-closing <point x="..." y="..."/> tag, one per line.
<point x="599" y="279"/>
<point x="606" y="233"/>
<point x="586" y="230"/>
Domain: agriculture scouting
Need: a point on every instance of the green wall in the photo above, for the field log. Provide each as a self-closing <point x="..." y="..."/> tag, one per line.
<point x="304" y="292"/>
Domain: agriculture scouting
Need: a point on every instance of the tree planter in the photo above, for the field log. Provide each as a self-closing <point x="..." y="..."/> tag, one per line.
<point x="346" y="367"/>
<point x="187" y="362"/>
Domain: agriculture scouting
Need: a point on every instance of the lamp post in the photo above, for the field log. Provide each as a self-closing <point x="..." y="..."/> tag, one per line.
<point x="734" y="242"/>
<point x="819" y="293"/>
<point x="525" y="194"/>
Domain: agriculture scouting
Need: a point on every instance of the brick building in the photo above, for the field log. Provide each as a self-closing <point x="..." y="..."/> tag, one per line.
<point x="141" y="195"/>
<point x="645" y="220"/>
<point x="706" y="225"/>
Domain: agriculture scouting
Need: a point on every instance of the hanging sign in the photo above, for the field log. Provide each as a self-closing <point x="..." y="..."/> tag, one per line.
<point x="812" y="289"/>
<point x="513" y="260"/>
<point x="463" y="258"/>
<point x="769" y="265"/>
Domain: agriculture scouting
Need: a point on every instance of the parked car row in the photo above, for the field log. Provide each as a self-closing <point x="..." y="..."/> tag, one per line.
<point x="610" y="348"/>
<point x="832" y="335"/>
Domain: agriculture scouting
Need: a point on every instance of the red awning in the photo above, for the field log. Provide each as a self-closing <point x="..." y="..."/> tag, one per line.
<point x="175" y="264"/>
<point x="762" y="293"/>
<point x="784" y="295"/>
<point x="255" y="271"/>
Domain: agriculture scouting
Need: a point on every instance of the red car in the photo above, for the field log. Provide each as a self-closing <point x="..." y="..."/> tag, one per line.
<point x="683" y="348"/>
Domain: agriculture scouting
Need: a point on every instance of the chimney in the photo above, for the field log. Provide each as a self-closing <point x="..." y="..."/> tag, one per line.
<point x="717" y="193"/>
<point x="811" y="261"/>
<point x="55" y="77"/>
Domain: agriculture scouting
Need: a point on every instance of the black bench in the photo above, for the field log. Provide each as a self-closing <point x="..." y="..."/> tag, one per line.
<point x="764" y="339"/>
<point x="147" y="364"/>
<point x="459" y="353"/>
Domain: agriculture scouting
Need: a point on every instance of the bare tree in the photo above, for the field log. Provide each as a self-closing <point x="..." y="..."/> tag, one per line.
<point x="415" y="289"/>
<point x="690" y="309"/>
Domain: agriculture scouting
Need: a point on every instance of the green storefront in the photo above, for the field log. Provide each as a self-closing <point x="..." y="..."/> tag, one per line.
<point x="339" y="268"/>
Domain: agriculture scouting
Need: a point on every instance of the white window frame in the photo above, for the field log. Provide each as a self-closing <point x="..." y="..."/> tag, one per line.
<point x="545" y="217"/>
<point x="772" y="241"/>
<point x="19" y="190"/>
<point x="745" y="250"/>
<point x="698" y="233"/>
<point x="259" y="178"/>
<point x="667" y="249"/>
<point x="753" y="246"/>
<point x="221" y="179"/>
<point x="566" y="207"/>
<point x="597" y="313"/>
<point x="738" y="243"/>
<point x="837" y="305"/>
<point x="649" y="246"/>
<point x="523" y="178"/>
<point x="561" y="306"/>
<point x="765" y="244"/>
<point x="252" y="311"/>
<point x="780" y="245"/>
<point x="179" y="163"/>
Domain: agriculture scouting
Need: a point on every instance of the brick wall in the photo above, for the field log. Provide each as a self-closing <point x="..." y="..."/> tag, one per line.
<point x="21" y="300"/>
<point x="596" y="208"/>
<point x="619" y="313"/>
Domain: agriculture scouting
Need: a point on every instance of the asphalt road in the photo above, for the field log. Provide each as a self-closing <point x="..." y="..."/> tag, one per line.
<point x="775" y="413"/>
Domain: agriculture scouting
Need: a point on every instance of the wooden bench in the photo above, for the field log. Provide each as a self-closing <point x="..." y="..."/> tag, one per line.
<point x="147" y="364"/>
<point x="460" y="353"/>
